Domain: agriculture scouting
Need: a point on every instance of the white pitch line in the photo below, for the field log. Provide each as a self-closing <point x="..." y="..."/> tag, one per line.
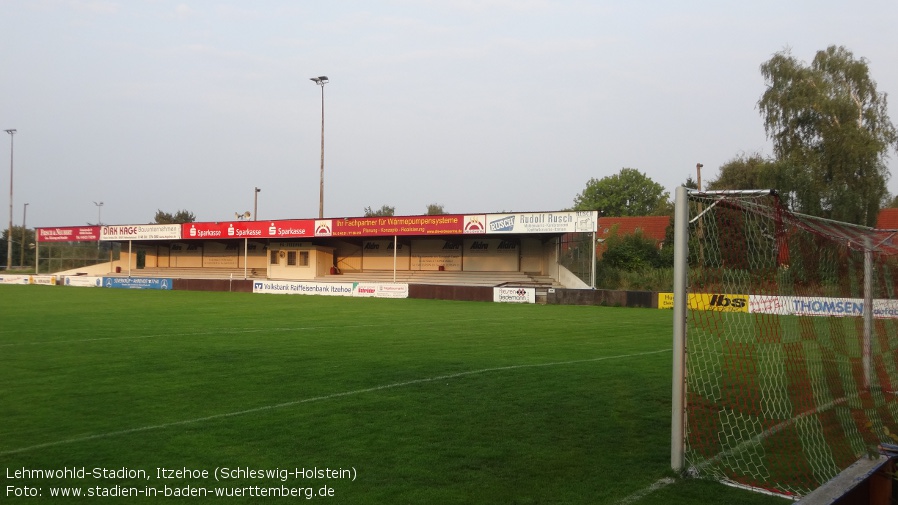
<point x="642" y="493"/>
<point x="313" y="399"/>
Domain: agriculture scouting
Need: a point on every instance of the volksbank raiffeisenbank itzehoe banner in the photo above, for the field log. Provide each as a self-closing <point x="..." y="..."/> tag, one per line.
<point x="358" y="289"/>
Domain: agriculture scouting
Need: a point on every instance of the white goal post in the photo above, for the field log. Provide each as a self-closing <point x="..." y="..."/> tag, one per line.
<point x="785" y="342"/>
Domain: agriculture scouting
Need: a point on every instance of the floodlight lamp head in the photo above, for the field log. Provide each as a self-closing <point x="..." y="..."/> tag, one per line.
<point x="11" y="131"/>
<point x="320" y="80"/>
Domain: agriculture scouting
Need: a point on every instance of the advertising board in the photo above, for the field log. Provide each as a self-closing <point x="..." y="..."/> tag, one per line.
<point x="514" y="295"/>
<point x="69" y="234"/>
<point x="137" y="283"/>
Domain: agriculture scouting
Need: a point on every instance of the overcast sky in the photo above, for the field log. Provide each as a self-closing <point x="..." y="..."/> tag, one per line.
<point x="481" y="106"/>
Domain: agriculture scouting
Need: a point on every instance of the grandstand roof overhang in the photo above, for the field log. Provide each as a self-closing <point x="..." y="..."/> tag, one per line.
<point x="511" y="223"/>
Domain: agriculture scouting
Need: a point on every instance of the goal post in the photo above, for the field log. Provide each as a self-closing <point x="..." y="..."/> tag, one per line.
<point x="785" y="342"/>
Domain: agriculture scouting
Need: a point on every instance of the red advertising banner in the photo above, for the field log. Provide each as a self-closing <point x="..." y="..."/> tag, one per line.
<point x="293" y="228"/>
<point x="69" y="234"/>
<point x="389" y="225"/>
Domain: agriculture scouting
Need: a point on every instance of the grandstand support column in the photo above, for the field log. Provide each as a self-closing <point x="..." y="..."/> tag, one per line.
<point x="868" y="309"/>
<point x="245" y="257"/>
<point x="678" y="393"/>
<point x="592" y="270"/>
<point x="129" y="258"/>
<point x="37" y="254"/>
<point x="395" y="246"/>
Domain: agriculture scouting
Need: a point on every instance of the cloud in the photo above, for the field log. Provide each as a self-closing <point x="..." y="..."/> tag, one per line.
<point x="184" y="11"/>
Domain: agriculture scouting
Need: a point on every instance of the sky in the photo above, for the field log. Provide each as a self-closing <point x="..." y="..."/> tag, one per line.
<point x="478" y="106"/>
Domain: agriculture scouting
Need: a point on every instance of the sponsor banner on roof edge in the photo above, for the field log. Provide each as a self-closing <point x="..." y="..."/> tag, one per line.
<point x="373" y="226"/>
<point x="293" y="228"/>
<point x="141" y="232"/>
<point x="69" y="234"/>
<point x="359" y="289"/>
<point x="446" y="224"/>
<point x="514" y="295"/>
<point x="542" y="222"/>
<point x="137" y="283"/>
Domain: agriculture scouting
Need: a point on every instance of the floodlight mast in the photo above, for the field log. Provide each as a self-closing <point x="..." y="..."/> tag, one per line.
<point x="321" y="81"/>
<point x="11" y="132"/>
<point x="256" y="203"/>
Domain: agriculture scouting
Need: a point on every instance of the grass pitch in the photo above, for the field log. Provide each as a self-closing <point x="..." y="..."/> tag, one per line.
<point x="369" y="401"/>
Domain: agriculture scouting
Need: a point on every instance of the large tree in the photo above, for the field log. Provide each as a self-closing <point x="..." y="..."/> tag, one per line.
<point x="831" y="134"/>
<point x="628" y="193"/>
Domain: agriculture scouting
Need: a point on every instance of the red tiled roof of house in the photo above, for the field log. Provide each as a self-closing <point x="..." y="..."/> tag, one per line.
<point x="651" y="226"/>
<point x="887" y="219"/>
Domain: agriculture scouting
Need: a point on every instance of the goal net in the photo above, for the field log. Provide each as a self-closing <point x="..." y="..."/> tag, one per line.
<point x="785" y="364"/>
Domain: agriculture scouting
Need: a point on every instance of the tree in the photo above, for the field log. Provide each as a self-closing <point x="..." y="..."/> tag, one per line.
<point x="435" y="209"/>
<point x="831" y="134"/>
<point x="384" y="210"/>
<point x="628" y="193"/>
<point x="631" y="252"/>
<point x="748" y="172"/>
<point x="180" y="217"/>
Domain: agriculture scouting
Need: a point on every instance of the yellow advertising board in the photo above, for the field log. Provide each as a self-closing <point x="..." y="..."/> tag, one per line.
<point x="721" y="302"/>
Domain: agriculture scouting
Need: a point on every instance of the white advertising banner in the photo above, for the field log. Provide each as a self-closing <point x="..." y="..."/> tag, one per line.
<point x="14" y="279"/>
<point x="514" y="295"/>
<point x="819" y="306"/>
<point x="359" y="289"/>
<point x="379" y="290"/>
<point x="141" y="232"/>
<point x="83" y="281"/>
<point x="543" y="222"/>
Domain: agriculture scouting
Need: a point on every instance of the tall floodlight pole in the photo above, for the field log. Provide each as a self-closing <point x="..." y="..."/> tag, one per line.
<point x="22" y="255"/>
<point x="99" y="213"/>
<point x="256" y="203"/>
<point x="11" y="133"/>
<point x="99" y="218"/>
<point x="321" y="81"/>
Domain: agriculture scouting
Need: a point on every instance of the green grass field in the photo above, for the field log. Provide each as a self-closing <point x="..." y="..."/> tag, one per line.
<point x="420" y="401"/>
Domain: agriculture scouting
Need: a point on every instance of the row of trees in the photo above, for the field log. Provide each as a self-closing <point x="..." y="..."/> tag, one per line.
<point x="434" y="209"/>
<point x="831" y="136"/>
